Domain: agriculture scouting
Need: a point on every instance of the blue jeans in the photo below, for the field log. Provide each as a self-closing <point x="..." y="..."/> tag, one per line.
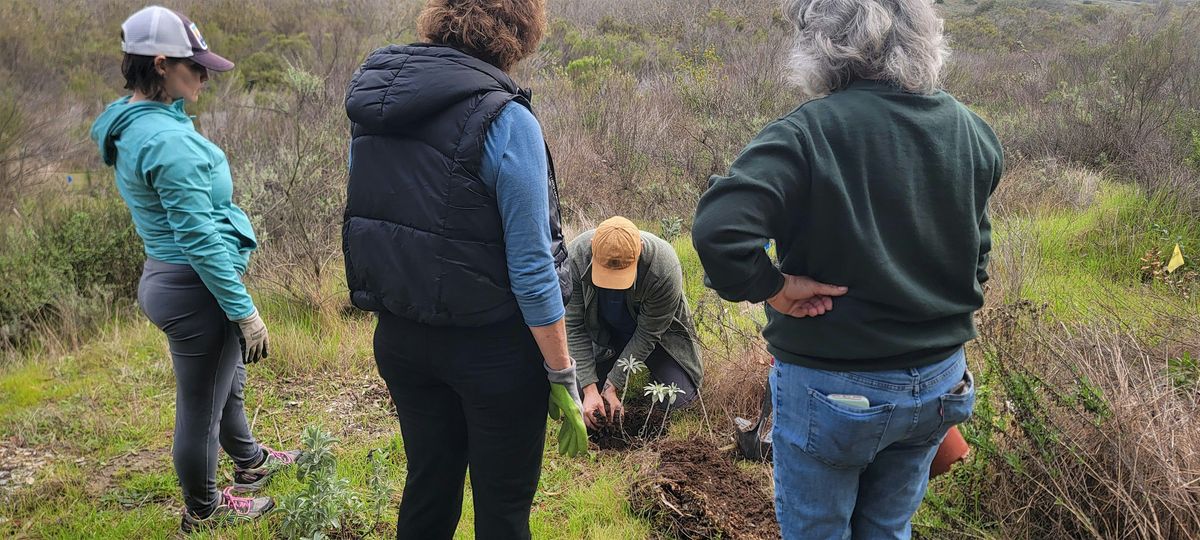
<point x="843" y="472"/>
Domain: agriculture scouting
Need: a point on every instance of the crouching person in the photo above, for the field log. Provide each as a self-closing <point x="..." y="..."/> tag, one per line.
<point x="627" y="301"/>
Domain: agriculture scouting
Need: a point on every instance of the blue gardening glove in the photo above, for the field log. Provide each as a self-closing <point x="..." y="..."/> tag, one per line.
<point x="566" y="405"/>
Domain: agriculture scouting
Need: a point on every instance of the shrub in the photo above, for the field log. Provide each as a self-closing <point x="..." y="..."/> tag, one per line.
<point x="1096" y="436"/>
<point x="1103" y="88"/>
<point x="614" y="44"/>
<point x="588" y="71"/>
<point x="29" y="142"/>
<point x="611" y="25"/>
<point x="1193" y="158"/>
<point x="67" y="267"/>
<point x="289" y="154"/>
<point x="327" y="504"/>
<point x="671" y="227"/>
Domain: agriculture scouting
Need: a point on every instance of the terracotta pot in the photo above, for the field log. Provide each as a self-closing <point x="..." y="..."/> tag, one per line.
<point x="954" y="449"/>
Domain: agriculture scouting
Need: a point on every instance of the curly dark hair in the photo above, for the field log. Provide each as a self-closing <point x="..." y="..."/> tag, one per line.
<point x="499" y="32"/>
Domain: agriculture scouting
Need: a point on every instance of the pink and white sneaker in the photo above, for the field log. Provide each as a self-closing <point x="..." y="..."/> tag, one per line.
<point x="255" y="478"/>
<point x="231" y="511"/>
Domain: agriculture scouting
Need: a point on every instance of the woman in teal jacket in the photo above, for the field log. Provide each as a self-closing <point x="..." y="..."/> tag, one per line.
<point x="179" y="190"/>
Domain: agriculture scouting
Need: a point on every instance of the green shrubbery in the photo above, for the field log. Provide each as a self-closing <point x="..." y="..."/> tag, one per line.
<point x="328" y="505"/>
<point x="588" y="71"/>
<point x="1193" y="157"/>
<point x="1080" y="431"/>
<point x="613" y="42"/>
<point x="66" y="265"/>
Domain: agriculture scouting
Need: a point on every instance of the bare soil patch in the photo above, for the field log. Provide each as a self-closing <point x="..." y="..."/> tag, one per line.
<point x="629" y="434"/>
<point x="698" y="491"/>
<point x="19" y="465"/>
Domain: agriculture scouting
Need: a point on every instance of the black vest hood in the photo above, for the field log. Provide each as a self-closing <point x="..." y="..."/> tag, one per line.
<point x="404" y="94"/>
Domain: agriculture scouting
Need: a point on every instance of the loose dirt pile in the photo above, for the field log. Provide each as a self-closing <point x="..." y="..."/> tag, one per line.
<point x="629" y="434"/>
<point x="699" y="492"/>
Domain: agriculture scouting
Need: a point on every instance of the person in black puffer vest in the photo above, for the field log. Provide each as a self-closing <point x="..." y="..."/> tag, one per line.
<point x="452" y="235"/>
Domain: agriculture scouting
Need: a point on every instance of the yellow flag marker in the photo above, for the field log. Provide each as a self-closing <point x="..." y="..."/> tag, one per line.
<point x="1176" y="260"/>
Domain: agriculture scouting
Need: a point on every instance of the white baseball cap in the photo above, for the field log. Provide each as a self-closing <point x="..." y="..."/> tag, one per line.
<point x="157" y="30"/>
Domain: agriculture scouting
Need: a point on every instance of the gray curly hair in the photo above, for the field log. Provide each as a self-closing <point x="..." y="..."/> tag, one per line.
<point x="840" y="41"/>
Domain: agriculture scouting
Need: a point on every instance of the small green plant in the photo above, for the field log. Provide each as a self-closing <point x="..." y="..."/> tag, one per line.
<point x="673" y="393"/>
<point x="672" y="227"/>
<point x="658" y="393"/>
<point x="1090" y="397"/>
<point x="379" y="485"/>
<point x="326" y="499"/>
<point x="629" y="366"/>
<point x="1184" y="372"/>
<point x="1193" y="158"/>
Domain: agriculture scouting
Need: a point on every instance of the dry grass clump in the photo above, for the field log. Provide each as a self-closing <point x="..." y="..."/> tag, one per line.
<point x="1098" y="432"/>
<point x="1038" y="186"/>
<point x="734" y="386"/>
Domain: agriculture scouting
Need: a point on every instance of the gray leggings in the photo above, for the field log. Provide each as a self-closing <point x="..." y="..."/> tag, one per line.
<point x="209" y="377"/>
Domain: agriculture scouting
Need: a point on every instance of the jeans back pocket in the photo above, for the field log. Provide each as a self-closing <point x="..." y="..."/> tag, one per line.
<point x="956" y="406"/>
<point x="845" y="437"/>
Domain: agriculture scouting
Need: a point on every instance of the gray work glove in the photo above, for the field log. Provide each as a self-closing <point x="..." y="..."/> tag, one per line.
<point x="252" y="333"/>
<point x="566" y="405"/>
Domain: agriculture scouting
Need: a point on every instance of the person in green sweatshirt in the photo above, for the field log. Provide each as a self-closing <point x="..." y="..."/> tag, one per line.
<point x="627" y="301"/>
<point x="876" y="191"/>
<point x="179" y="191"/>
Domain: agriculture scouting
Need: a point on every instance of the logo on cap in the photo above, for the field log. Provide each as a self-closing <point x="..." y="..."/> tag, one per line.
<point x="199" y="38"/>
<point x="617" y="263"/>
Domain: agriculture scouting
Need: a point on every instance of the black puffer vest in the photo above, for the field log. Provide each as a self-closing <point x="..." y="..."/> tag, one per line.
<point x="422" y="235"/>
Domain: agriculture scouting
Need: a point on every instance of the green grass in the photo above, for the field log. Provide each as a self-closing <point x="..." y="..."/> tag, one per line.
<point x="693" y="272"/>
<point x="22" y="387"/>
<point x="106" y="409"/>
<point x="1080" y="263"/>
<point x="106" y="412"/>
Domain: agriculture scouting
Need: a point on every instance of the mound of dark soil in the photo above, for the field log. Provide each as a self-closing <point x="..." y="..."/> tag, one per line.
<point x="699" y="492"/>
<point x="628" y="435"/>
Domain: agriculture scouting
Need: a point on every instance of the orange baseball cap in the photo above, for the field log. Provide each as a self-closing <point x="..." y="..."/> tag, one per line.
<point x="616" y="247"/>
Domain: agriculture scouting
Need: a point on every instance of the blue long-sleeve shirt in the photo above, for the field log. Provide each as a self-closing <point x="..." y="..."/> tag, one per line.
<point x="515" y="169"/>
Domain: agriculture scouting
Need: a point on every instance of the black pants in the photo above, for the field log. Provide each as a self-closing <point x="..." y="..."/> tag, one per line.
<point x="209" y="376"/>
<point x="466" y="397"/>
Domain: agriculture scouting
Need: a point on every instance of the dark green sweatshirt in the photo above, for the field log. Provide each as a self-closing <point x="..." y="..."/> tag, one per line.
<point x="877" y="189"/>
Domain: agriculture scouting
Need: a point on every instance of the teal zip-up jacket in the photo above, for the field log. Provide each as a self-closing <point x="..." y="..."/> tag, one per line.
<point x="179" y="190"/>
